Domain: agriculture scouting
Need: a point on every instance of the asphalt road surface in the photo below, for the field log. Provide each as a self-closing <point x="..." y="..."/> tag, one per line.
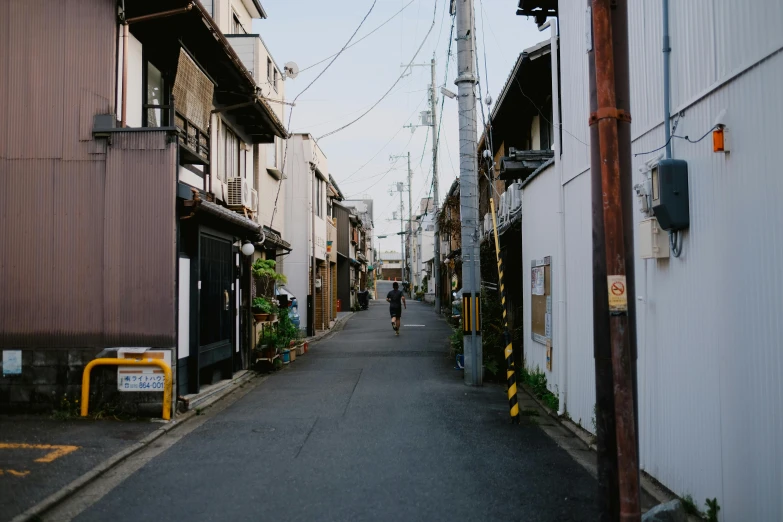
<point x="366" y="426"/>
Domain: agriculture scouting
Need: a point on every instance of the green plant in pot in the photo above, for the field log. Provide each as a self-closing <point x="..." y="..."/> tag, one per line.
<point x="265" y="276"/>
<point x="262" y="308"/>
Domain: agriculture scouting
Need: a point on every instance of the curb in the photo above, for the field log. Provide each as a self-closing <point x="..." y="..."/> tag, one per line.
<point x="35" y="512"/>
<point x="649" y="484"/>
<point x="339" y="324"/>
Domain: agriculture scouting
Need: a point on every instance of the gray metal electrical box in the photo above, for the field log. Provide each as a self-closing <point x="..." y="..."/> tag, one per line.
<point x="670" y="194"/>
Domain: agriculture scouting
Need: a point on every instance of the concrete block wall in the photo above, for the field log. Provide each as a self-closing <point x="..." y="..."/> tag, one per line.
<point x="49" y="375"/>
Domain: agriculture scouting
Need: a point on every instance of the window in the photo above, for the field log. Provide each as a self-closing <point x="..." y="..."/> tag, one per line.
<point x="274" y="82"/>
<point x="271" y="155"/>
<point x="318" y="197"/>
<point x="154" y="96"/>
<point x="269" y="69"/>
<point x="230" y="163"/>
<point x="236" y="25"/>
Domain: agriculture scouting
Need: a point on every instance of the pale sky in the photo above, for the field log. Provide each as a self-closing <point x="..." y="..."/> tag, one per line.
<point x="307" y="31"/>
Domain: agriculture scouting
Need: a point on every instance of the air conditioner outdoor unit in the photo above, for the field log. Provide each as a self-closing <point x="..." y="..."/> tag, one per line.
<point x="239" y="193"/>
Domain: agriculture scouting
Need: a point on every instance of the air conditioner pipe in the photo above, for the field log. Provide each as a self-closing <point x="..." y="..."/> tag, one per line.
<point x="561" y="347"/>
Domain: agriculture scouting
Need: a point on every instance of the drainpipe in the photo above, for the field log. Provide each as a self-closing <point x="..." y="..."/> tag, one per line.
<point x="667" y="51"/>
<point x="123" y="117"/>
<point x="562" y="330"/>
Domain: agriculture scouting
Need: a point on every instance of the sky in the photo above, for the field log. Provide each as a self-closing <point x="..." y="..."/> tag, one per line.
<point x="307" y="31"/>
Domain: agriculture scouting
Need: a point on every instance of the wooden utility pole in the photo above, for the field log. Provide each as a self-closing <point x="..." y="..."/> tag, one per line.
<point x="614" y="328"/>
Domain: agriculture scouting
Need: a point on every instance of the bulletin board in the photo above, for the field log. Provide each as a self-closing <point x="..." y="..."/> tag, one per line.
<point x="541" y="300"/>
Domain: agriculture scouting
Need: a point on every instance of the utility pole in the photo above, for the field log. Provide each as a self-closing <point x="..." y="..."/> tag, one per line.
<point x="613" y="270"/>
<point x="402" y="210"/>
<point x="435" y="192"/>
<point x="468" y="170"/>
<point x="409" y="236"/>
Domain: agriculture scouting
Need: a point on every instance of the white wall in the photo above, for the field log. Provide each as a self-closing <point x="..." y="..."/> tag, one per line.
<point x="135" y="82"/>
<point x="709" y="329"/>
<point x="539" y="240"/>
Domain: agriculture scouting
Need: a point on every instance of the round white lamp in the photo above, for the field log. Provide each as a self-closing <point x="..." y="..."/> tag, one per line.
<point x="248" y="248"/>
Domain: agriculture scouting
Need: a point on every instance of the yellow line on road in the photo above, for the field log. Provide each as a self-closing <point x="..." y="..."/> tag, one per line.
<point x="14" y="472"/>
<point x="56" y="451"/>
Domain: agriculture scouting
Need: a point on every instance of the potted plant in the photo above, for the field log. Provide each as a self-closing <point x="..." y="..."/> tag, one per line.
<point x="274" y="309"/>
<point x="264" y="273"/>
<point x="262" y="308"/>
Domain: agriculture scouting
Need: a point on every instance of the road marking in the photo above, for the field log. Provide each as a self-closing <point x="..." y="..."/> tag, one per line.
<point x="56" y="451"/>
<point x="414" y="324"/>
<point x="14" y="472"/>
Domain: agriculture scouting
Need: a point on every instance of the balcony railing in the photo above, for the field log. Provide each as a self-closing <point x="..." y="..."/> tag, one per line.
<point x="193" y="139"/>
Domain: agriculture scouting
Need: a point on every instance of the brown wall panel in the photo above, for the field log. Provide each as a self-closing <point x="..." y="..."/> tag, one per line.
<point x="140" y="241"/>
<point x="26" y="274"/>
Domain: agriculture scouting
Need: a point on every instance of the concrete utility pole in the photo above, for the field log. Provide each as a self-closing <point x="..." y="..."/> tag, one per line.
<point x="613" y="269"/>
<point x="409" y="236"/>
<point x="468" y="174"/>
<point x="435" y="193"/>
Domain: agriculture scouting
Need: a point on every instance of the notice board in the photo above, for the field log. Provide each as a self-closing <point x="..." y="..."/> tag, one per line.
<point x="541" y="300"/>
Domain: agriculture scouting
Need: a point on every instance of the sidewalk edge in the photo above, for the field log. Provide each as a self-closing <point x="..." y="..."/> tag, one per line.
<point x="649" y="484"/>
<point x="77" y="484"/>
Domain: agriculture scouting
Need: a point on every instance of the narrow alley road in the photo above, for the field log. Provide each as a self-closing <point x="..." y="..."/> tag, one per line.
<point x="367" y="426"/>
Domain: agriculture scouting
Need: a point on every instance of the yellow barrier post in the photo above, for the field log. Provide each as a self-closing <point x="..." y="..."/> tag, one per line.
<point x="511" y="374"/>
<point x="128" y="362"/>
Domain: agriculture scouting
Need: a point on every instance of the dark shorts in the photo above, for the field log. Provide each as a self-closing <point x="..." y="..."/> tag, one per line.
<point x="395" y="312"/>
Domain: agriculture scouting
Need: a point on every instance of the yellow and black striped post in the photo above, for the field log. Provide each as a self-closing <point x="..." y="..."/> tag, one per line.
<point x="511" y="376"/>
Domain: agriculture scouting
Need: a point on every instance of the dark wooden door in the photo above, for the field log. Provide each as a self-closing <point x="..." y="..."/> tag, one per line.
<point x="217" y="304"/>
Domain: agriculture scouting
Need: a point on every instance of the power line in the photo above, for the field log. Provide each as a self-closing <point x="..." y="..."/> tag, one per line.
<point x="291" y="112"/>
<point x="432" y="25"/>
<point x="399" y="129"/>
<point x="362" y="38"/>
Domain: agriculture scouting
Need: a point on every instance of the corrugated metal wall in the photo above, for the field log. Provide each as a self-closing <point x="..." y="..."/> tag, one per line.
<point x="86" y="249"/>
<point x="712" y="403"/>
<point x="709" y="329"/>
<point x="539" y="239"/>
<point x="580" y="391"/>
<point x="140" y="240"/>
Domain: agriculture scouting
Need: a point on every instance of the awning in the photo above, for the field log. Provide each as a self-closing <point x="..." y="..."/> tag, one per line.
<point x="242" y="226"/>
<point x="273" y="239"/>
<point x="519" y="164"/>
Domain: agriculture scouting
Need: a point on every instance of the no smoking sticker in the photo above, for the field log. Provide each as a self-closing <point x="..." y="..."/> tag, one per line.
<point x="618" y="296"/>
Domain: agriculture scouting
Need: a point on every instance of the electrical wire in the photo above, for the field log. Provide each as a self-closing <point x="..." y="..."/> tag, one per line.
<point x="399" y="129"/>
<point x="360" y="39"/>
<point x="686" y="138"/>
<point x="429" y="31"/>
<point x="291" y="112"/>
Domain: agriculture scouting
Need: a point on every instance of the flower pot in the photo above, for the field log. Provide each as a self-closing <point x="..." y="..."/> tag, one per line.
<point x="300" y="349"/>
<point x="286" y="356"/>
<point x="269" y="353"/>
<point x="260" y="318"/>
<point x="292" y="355"/>
<point x="305" y="347"/>
<point x="272" y="317"/>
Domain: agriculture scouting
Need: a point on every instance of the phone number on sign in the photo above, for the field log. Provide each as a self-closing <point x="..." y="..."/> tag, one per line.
<point x="142" y="382"/>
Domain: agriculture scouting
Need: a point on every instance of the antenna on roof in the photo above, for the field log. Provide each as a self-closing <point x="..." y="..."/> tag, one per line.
<point x="290" y="70"/>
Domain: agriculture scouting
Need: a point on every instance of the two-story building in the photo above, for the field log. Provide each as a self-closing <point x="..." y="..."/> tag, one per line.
<point x="307" y="267"/>
<point x="126" y="132"/>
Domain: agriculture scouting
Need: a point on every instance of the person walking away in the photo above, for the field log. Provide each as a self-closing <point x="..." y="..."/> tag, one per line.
<point x="396" y="300"/>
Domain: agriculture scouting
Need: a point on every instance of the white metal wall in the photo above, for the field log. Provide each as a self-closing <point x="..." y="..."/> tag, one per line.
<point x="711" y="319"/>
<point x="709" y="323"/>
<point x="539" y="239"/>
<point x="580" y="391"/>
